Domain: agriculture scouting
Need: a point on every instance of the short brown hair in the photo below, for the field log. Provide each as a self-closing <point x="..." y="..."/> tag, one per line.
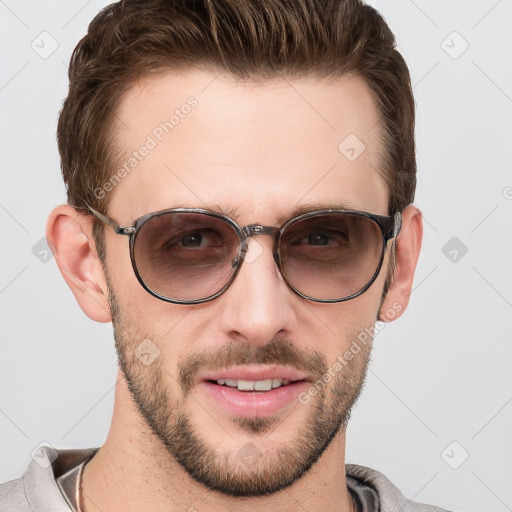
<point x="250" y="39"/>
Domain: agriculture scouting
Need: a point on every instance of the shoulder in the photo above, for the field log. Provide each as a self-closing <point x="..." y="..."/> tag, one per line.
<point x="12" y="496"/>
<point x="390" y="497"/>
<point x="37" y="488"/>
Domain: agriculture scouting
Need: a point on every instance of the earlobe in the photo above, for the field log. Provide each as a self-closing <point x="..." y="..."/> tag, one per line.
<point x="69" y="235"/>
<point x="408" y="245"/>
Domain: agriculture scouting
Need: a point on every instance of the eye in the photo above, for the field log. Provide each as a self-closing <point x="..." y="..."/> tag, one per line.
<point x="320" y="237"/>
<point x="203" y="238"/>
<point x="192" y="240"/>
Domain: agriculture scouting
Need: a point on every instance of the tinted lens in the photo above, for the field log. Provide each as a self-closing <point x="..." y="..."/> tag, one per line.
<point x="331" y="256"/>
<point x="185" y="256"/>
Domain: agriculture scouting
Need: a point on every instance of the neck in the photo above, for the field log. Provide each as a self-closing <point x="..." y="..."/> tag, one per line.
<point x="133" y="471"/>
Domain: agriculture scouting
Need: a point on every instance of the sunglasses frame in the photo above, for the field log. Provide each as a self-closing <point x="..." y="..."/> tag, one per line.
<point x="389" y="227"/>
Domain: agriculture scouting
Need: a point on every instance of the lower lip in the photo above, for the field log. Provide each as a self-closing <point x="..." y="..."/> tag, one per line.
<point x="250" y="404"/>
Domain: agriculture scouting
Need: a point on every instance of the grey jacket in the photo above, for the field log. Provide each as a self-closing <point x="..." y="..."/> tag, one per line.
<point x="37" y="490"/>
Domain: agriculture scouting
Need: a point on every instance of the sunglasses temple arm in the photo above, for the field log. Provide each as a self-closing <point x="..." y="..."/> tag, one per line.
<point x="109" y="222"/>
<point x="397" y="224"/>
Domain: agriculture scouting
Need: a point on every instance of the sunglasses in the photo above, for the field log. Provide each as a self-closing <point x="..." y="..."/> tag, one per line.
<point x="191" y="255"/>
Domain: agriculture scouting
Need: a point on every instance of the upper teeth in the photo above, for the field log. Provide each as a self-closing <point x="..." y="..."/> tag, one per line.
<point x="254" y="385"/>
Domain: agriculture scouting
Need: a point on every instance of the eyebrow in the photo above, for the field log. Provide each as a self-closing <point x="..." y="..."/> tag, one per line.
<point x="311" y="207"/>
<point x="299" y="209"/>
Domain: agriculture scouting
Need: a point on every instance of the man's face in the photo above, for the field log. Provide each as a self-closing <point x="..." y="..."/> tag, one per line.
<point x="257" y="150"/>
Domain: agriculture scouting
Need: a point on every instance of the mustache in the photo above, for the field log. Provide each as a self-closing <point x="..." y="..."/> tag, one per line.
<point x="278" y="352"/>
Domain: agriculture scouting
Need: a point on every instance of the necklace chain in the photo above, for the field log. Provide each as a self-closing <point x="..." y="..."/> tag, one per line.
<point x="78" y="488"/>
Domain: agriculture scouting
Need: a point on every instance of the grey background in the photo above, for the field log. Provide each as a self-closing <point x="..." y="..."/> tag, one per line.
<point x="440" y="375"/>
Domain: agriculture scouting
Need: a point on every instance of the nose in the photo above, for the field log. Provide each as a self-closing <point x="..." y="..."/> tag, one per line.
<point x="258" y="305"/>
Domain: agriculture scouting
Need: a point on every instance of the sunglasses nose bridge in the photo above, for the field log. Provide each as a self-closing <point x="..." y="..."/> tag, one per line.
<point x="258" y="229"/>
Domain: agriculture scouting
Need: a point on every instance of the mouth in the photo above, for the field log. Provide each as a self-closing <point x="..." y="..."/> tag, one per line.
<point x="254" y="385"/>
<point x="253" y="391"/>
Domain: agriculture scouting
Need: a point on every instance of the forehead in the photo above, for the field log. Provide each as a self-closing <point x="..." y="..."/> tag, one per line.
<point x="199" y="139"/>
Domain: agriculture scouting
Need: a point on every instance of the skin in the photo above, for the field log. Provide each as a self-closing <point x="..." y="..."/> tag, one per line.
<point x="259" y="149"/>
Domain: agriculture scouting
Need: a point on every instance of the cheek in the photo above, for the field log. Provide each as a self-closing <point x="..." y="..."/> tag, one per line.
<point x="119" y="267"/>
<point x="134" y="301"/>
<point x="346" y="318"/>
<point x="142" y="318"/>
<point x="338" y="326"/>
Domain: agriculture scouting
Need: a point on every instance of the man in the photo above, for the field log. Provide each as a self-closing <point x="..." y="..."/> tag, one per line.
<point x="240" y="178"/>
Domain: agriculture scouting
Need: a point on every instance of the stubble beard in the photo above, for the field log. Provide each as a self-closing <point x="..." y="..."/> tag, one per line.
<point x="260" y="466"/>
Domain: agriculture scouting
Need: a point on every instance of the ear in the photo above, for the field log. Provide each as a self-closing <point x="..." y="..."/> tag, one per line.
<point x="69" y="235"/>
<point x="408" y="245"/>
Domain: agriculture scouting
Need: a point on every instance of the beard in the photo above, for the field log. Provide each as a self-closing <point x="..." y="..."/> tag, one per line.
<point x="258" y="467"/>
